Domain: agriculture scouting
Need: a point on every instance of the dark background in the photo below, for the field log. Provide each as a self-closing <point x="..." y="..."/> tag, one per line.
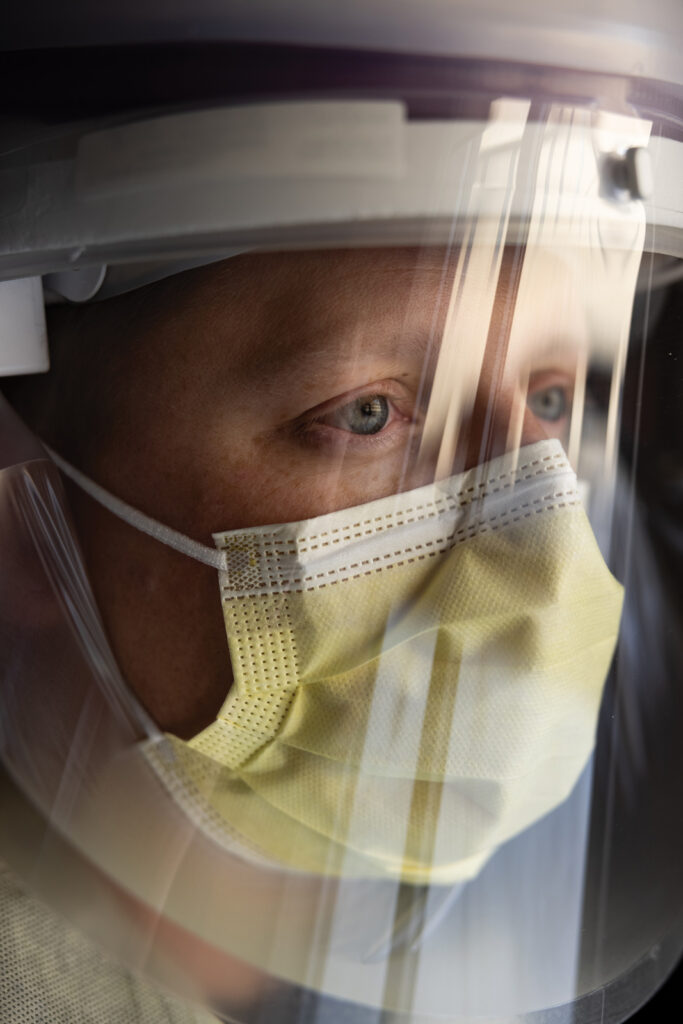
<point x="666" y="1007"/>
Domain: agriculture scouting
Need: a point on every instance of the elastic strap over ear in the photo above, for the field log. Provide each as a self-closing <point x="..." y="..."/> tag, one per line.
<point x="165" y="534"/>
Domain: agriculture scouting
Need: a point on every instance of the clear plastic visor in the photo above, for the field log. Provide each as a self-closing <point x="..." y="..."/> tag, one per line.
<point x="341" y="659"/>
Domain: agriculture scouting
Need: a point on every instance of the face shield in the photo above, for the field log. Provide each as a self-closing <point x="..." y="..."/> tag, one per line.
<point x="340" y="616"/>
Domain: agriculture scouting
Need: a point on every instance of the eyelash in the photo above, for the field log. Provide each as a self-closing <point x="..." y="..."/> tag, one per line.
<point x="543" y="382"/>
<point x="316" y="432"/>
<point x="313" y="428"/>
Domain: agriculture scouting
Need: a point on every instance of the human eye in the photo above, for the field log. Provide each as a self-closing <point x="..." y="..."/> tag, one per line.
<point x="366" y="414"/>
<point x="550" y="396"/>
<point x="551" y="404"/>
<point x="379" y="414"/>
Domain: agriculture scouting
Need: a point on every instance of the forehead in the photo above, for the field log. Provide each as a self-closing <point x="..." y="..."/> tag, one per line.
<point x="266" y="313"/>
<point x="268" y="310"/>
<point x="320" y="287"/>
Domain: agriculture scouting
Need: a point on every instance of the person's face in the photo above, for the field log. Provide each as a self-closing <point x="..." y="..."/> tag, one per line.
<point x="281" y="387"/>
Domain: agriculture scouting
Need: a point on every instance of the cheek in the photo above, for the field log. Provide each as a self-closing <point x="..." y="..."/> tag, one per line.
<point x="557" y="429"/>
<point x="279" y="486"/>
<point x="163" y="617"/>
<point x="302" y="496"/>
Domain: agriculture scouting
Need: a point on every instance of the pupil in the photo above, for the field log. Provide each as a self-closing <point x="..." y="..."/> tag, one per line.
<point x="549" y="404"/>
<point x="370" y="415"/>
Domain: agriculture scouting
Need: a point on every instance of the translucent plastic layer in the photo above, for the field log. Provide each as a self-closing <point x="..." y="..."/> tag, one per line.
<point x="342" y="678"/>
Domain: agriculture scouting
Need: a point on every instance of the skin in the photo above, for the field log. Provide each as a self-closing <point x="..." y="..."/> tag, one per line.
<point x="229" y="397"/>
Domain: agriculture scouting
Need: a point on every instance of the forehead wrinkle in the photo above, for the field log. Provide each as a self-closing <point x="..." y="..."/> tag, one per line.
<point x="309" y="366"/>
<point x="348" y="338"/>
<point x="309" y="319"/>
<point x="311" y="313"/>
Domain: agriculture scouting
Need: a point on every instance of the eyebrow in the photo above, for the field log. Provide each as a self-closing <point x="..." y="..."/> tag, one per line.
<point x="293" y="346"/>
<point x="303" y="344"/>
<point x="408" y="351"/>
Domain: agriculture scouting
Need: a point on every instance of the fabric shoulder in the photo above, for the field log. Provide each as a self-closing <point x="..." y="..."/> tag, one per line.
<point x="49" y="971"/>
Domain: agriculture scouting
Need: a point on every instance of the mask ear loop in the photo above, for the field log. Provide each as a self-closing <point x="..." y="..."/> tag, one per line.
<point x="146" y="524"/>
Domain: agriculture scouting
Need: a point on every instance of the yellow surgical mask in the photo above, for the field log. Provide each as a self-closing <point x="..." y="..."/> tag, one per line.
<point x="416" y="680"/>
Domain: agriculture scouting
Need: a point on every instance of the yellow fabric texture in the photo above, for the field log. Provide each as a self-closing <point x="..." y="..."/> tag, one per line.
<point x="409" y="702"/>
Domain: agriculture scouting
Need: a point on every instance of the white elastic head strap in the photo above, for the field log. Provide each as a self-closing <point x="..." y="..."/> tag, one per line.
<point x="165" y="534"/>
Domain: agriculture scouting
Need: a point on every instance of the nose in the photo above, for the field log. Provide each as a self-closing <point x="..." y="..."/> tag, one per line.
<point x="500" y="421"/>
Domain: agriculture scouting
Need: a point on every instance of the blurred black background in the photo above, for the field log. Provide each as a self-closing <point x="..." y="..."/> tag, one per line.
<point x="666" y="1007"/>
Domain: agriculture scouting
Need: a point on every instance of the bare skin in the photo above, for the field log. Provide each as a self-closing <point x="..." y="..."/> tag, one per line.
<point x="267" y="389"/>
